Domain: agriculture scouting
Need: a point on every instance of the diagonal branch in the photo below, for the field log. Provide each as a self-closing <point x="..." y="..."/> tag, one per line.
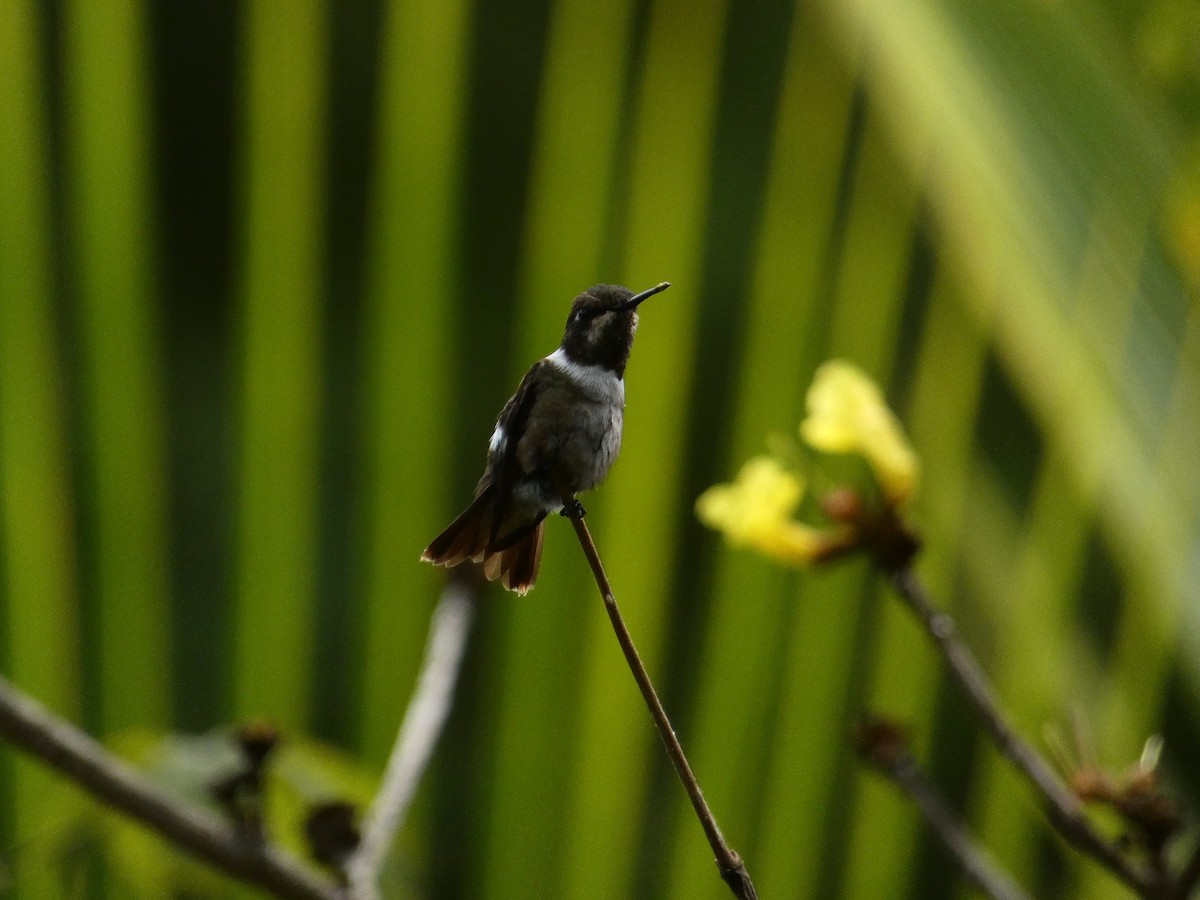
<point x="1064" y="808"/>
<point x="418" y="735"/>
<point x="1189" y="877"/>
<point x="31" y="727"/>
<point x="730" y="864"/>
<point x="893" y="761"/>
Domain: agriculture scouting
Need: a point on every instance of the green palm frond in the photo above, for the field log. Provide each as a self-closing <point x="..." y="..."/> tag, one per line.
<point x="267" y="272"/>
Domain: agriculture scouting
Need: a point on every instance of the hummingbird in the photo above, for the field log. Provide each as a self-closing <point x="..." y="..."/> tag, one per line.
<point x="561" y="428"/>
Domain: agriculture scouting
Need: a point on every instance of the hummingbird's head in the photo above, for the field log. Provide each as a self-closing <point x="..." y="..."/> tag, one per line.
<point x="601" y="325"/>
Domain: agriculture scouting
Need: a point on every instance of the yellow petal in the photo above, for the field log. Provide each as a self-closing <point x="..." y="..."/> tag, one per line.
<point x="762" y="497"/>
<point x="793" y="542"/>
<point x="847" y="414"/>
<point x="755" y="511"/>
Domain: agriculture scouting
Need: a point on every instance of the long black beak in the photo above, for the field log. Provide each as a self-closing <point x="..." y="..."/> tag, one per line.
<point x="632" y="302"/>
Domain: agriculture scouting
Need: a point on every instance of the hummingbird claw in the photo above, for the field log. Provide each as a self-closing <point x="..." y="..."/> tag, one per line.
<point x="573" y="510"/>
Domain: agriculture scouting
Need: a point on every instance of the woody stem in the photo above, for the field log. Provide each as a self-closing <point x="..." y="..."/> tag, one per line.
<point x="1064" y="809"/>
<point x="730" y="864"/>
<point x="32" y="728"/>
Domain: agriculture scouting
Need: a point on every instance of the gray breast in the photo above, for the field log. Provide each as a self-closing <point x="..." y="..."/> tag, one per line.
<point x="589" y="420"/>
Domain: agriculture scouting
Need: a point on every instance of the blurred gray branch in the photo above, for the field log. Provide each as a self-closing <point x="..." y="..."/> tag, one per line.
<point x="418" y="736"/>
<point x="31" y="727"/>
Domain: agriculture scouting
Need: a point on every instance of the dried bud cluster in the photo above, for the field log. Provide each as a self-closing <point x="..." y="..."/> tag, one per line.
<point x="240" y="793"/>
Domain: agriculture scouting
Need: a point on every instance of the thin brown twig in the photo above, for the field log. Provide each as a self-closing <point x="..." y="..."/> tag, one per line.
<point x="902" y="769"/>
<point x="1065" y="810"/>
<point x="729" y="863"/>
<point x="31" y="727"/>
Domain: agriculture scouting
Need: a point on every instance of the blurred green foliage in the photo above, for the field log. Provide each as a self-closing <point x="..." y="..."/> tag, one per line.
<point x="267" y="272"/>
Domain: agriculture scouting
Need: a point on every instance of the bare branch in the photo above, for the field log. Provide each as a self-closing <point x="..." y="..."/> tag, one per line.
<point x="1189" y="876"/>
<point x="884" y="749"/>
<point x="30" y="726"/>
<point x="1065" y="810"/>
<point x="729" y="863"/>
<point x="418" y="735"/>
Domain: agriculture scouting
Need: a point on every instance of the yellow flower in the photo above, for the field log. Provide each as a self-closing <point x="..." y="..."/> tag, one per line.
<point x="847" y="414"/>
<point x="756" y="510"/>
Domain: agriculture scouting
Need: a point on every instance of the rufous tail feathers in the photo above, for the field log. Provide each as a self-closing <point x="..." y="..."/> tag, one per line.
<point x="514" y="559"/>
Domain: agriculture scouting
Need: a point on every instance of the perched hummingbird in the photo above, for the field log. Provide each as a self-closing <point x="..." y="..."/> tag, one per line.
<point x="565" y="417"/>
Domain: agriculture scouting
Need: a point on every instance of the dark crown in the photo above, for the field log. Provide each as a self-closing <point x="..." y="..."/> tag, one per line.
<point x="600" y="328"/>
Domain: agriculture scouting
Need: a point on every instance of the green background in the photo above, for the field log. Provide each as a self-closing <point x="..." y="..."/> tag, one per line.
<point x="269" y="269"/>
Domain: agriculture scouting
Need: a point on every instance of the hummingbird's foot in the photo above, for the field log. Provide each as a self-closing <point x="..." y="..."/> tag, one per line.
<point x="574" y="510"/>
